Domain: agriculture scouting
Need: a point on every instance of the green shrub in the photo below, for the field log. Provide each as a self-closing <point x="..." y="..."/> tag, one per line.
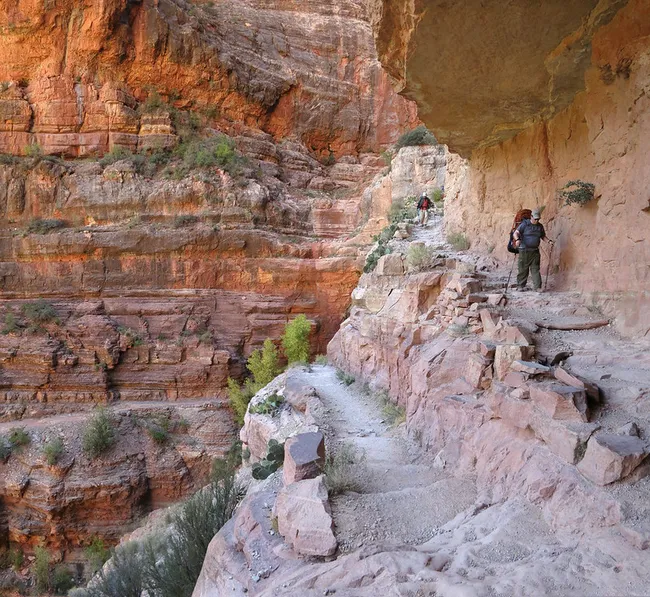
<point x="62" y="580"/>
<point x="239" y="397"/>
<point x="345" y="469"/>
<point x="295" y="339"/>
<point x="216" y="151"/>
<point x="132" y="337"/>
<point x="393" y="413"/>
<point x="419" y="257"/>
<point x="96" y="555"/>
<point x="5" y="449"/>
<point x="116" y="154"/>
<point x="458" y="331"/>
<point x="40" y="312"/>
<point x="577" y="192"/>
<point x="41" y="569"/>
<point x="458" y="241"/>
<point x="418" y="136"/>
<point x="40" y="226"/>
<point x="271" y="462"/>
<point x="98" y="435"/>
<point x="321" y="359"/>
<point x="33" y="150"/>
<point x="402" y="210"/>
<point x="387" y="157"/>
<point x="344" y="378"/>
<point x="7" y="159"/>
<point x="158" y="433"/>
<point x="16" y="558"/>
<point x="264" y="364"/>
<point x="437" y="196"/>
<point x="152" y="104"/>
<point x="268" y="406"/>
<point x="124" y="578"/>
<point x="18" y="437"/>
<point x="184" y="220"/>
<point x="12" y="325"/>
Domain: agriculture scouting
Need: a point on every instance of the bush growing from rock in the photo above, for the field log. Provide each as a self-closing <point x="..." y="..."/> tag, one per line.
<point x="344" y="378"/>
<point x="271" y="462"/>
<point x="53" y="450"/>
<point x="12" y="325"/>
<point x="98" y="435"/>
<point x="40" y="312"/>
<point x="344" y="469"/>
<point x="96" y="555"/>
<point x="268" y="406"/>
<point x="419" y="257"/>
<point x="577" y="192"/>
<point x="41" y="569"/>
<point x="264" y="364"/>
<point x="458" y="241"/>
<point x="295" y="339"/>
<point x="18" y="437"/>
<point x="418" y="136"/>
<point x="41" y="226"/>
<point x="61" y="579"/>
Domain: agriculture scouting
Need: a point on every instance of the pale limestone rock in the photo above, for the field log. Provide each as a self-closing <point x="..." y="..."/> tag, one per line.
<point x="564" y="403"/>
<point x="611" y="457"/>
<point x="390" y="265"/>
<point x="304" y="517"/>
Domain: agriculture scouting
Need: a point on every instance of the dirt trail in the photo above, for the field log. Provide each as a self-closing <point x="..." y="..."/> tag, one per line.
<point x="401" y="498"/>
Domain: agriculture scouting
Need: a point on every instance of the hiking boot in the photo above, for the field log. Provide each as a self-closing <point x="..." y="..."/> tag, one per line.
<point x="538" y="290"/>
<point x="519" y="288"/>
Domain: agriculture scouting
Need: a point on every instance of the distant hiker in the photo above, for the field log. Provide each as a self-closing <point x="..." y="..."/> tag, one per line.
<point x="423" y="209"/>
<point x="527" y="238"/>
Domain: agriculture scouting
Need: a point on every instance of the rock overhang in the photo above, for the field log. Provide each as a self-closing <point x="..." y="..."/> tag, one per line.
<point x="482" y="71"/>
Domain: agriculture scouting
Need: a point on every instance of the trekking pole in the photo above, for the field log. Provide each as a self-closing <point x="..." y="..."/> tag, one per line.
<point x="512" y="267"/>
<point x="548" y="266"/>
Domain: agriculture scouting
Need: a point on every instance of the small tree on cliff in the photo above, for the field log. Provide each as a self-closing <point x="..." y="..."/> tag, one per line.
<point x="264" y="365"/>
<point x="295" y="340"/>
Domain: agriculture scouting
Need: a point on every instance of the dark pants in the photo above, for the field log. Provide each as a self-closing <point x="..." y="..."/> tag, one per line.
<point x="529" y="260"/>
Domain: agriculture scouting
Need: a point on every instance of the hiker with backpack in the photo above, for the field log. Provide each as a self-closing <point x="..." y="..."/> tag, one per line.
<point x="526" y="239"/>
<point x="423" y="209"/>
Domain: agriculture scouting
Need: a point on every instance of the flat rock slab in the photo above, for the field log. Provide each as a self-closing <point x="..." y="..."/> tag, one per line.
<point x="305" y="517"/>
<point x="304" y="457"/>
<point x="612" y="457"/>
<point x="572" y="323"/>
<point x="561" y="402"/>
<point x="530" y="367"/>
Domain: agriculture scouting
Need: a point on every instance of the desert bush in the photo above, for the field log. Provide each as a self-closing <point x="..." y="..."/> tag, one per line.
<point x="216" y="151"/>
<point x="344" y="378"/>
<point x="7" y="159"/>
<point x="321" y="359"/>
<point x="458" y="241"/>
<point x="40" y="312"/>
<point x="132" y="337"/>
<point x="33" y="150"/>
<point x="18" y="437"/>
<point x="184" y="220"/>
<point x="239" y="397"/>
<point x="16" y="558"/>
<point x="5" y="448"/>
<point x="152" y="104"/>
<point x="98" y="434"/>
<point x="345" y="468"/>
<point x="458" y="331"/>
<point x="96" y="555"/>
<point x="419" y="257"/>
<point x="12" y="325"/>
<point x="295" y="339"/>
<point x="418" y="136"/>
<point x="577" y="192"/>
<point x="61" y="579"/>
<point x="41" y="569"/>
<point x="402" y="210"/>
<point x="437" y="196"/>
<point x="41" y="226"/>
<point x="393" y="413"/>
<point x="116" y="154"/>
<point x="264" y="364"/>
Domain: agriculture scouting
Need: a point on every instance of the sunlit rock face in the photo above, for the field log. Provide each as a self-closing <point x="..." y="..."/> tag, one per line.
<point x="303" y="69"/>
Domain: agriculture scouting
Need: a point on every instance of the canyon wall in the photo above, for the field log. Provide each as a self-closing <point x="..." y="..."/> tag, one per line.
<point x="592" y="127"/>
<point x="73" y="73"/>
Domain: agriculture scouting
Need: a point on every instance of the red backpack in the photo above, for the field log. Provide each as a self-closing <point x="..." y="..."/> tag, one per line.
<point x="521" y="215"/>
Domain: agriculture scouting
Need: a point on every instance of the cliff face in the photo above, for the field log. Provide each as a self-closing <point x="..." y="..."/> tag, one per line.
<point x="587" y="120"/>
<point x="148" y="277"/>
<point x="78" y="70"/>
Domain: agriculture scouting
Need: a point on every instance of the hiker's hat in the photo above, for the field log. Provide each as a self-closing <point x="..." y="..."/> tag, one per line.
<point x="535" y="214"/>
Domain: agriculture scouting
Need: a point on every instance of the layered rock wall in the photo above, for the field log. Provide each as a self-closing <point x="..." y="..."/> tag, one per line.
<point x="73" y="74"/>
